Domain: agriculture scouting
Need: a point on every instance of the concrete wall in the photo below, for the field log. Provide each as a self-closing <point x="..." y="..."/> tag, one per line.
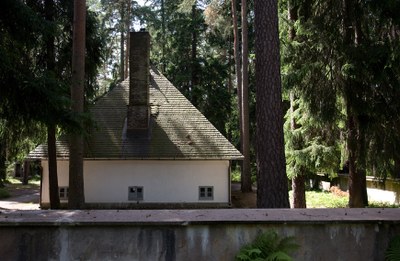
<point x="163" y="181"/>
<point x="335" y="234"/>
<point x="381" y="191"/>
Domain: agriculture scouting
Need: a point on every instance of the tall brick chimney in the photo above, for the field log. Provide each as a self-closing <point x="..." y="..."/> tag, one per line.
<point x="138" y="116"/>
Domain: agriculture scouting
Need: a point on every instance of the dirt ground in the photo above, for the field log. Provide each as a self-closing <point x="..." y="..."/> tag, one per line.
<point x="242" y="200"/>
<point x="17" y="190"/>
<point x="23" y="197"/>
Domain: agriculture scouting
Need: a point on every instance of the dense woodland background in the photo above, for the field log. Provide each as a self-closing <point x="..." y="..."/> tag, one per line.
<point x="338" y="63"/>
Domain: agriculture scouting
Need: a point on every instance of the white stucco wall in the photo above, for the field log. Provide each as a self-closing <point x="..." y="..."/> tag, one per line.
<point x="163" y="181"/>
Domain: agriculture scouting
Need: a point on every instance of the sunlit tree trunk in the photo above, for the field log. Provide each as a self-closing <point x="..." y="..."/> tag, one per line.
<point x="76" y="199"/>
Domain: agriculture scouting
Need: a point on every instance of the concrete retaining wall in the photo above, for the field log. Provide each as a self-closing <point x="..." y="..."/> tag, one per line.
<point x="378" y="190"/>
<point x="323" y="234"/>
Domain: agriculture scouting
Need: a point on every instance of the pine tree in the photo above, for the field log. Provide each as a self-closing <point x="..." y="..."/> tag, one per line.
<point x="76" y="199"/>
<point x="272" y="183"/>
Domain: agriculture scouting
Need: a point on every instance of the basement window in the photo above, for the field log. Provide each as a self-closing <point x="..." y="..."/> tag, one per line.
<point x="63" y="193"/>
<point x="135" y="193"/>
<point x="206" y="193"/>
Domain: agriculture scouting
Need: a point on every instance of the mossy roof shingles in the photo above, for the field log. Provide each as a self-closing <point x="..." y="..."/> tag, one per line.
<point x="177" y="129"/>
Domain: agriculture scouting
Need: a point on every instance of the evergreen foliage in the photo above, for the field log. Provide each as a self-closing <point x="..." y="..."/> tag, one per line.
<point x="268" y="246"/>
<point x="32" y="95"/>
<point x="393" y="251"/>
<point x="344" y="71"/>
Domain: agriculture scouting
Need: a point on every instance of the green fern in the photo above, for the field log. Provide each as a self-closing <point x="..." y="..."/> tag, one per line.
<point x="268" y="247"/>
<point x="393" y="250"/>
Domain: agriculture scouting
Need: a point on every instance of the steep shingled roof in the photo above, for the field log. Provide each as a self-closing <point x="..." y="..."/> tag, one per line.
<point x="177" y="129"/>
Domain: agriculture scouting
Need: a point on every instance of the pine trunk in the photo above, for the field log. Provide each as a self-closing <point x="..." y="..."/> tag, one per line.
<point x="356" y="195"/>
<point x="298" y="182"/>
<point x="3" y="159"/>
<point x="272" y="183"/>
<point x="194" y="73"/>
<point x="299" y="191"/>
<point x="127" y="29"/>
<point x="246" y="185"/>
<point x="122" y="56"/>
<point x="53" y="177"/>
<point x="163" y="36"/>
<point x="355" y="139"/>
<point x="76" y="198"/>
<point x="51" y="127"/>
<point x="238" y="72"/>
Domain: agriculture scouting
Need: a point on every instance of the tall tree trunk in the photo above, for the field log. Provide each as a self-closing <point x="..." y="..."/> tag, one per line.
<point x="53" y="177"/>
<point x="299" y="191"/>
<point x="26" y="172"/>
<point x="236" y="55"/>
<point x="356" y="197"/>
<point x="238" y="70"/>
<point x="76" y="198"/>
<point x="298" y="182"/>
<point x="122" y="42"/>
<point x="194" y="72"/>
<point x="127" y="28"/>
<point x="272" y="183"/>
<point x="396" y="169"/>
<point x="163" y="36"/>
<point x="230" y="63"/>
<point x="357" y="183"/>
<point x="3" y="159"/>
<point x="51" y="127"/>
<point x="246" y="185"/>
<point x="122" y="56"/>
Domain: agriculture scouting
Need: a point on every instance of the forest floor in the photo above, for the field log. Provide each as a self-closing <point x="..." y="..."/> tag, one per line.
<point x="243" y="200"/>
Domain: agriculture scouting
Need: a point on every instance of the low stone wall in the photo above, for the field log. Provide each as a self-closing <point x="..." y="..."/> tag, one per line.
<point x="323" y="234"/>
<point x="378" y="190"/>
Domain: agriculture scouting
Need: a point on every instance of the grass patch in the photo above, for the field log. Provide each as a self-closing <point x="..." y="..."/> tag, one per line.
<point x="322" y="199"/>
<point x="12" y="180"/>
<point x="4" y="193"/>
<point x="376" y="204"/>
<point x="16" y="181"/>
<point x="326" y="199"/>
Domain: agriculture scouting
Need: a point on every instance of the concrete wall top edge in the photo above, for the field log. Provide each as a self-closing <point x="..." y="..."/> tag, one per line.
<point x="196" y="216"/>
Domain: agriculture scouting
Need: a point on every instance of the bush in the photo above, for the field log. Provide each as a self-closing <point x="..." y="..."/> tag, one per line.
<point x="268" y="246"/>
<point x="393" y="251"/>
<point x="4" y="193"/>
